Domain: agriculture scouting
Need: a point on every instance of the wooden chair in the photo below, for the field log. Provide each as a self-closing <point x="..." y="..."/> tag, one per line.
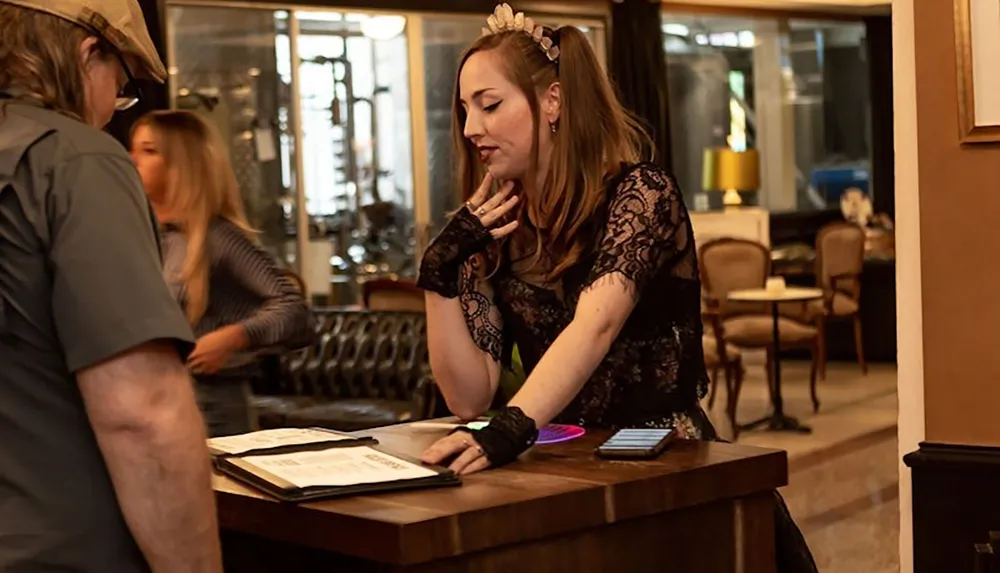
<point x="840" y="257"/>
<point x="729" y="264"/>
<point x="720" y="355"/>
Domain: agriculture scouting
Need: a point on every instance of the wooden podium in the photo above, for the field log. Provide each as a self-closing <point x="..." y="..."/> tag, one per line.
<point x="699" y="508"/>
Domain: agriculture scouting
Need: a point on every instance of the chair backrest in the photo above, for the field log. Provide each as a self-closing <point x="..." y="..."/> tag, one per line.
<point x="729" y="264"/>
<point x="375" y="354"/>
<point x="840" y="257"/>
<point x="392" y="294"/>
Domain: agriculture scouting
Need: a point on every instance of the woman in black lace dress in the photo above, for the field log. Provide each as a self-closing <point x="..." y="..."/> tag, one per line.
<point x="574" y="249"/>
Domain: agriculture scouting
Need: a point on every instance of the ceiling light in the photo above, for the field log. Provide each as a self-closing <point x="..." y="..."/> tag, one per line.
<point x="383" y="27"/>
<point x="676" y="29"/>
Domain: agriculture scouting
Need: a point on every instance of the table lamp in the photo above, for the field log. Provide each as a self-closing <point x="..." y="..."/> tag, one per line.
<point x="732" y="172"/>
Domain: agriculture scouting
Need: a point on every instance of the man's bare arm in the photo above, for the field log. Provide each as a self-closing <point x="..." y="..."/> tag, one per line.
<point x="143" y="411"/>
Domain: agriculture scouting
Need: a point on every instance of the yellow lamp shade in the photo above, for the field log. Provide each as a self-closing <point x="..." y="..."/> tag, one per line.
<point x="732" y="172"/>
<point x="725" y="169"/>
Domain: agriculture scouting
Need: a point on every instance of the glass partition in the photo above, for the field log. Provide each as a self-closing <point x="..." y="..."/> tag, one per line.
<point x="316" y="107"/>
<point x="829" y="72"/>
<point x="224" y="65"/>
<point x="795" y="90"/>
<point x="356" y="133"/>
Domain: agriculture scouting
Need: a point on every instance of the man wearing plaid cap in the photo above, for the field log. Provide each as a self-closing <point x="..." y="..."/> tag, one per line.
<point x="104" y="466"/>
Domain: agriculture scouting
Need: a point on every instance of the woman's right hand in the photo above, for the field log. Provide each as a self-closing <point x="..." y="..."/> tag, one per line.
<point x="492" y="210"/>
<point x="470" y="231"/>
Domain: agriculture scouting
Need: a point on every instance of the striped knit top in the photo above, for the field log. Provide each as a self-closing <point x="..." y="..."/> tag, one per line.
<point x="245" y="286"/>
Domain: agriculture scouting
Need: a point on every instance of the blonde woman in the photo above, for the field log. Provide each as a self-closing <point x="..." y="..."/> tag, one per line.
<point x="233" y="294"/>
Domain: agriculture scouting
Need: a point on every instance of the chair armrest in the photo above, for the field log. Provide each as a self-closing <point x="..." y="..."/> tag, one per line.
<point x="424" y="398"/>
<point x="711" y="303"/>
<point x="844" y="277"/>
<point x="712" y="318"/>
<point x="830" y="291"/>
<point x="715" y="324"/>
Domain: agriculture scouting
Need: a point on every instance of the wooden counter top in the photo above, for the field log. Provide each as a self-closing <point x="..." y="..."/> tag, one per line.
<point x="553" y="490"/>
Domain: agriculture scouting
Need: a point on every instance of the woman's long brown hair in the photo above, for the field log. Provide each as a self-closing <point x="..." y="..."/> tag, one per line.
<point x="595" y="137"/>
<point x="201" y="186"/>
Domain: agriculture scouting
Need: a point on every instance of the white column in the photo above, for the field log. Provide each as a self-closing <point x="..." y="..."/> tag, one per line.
<point x="302" y="260"/>
<point x="418" y="132"/>
<point x="775" y="117"/>
<point x="909" y="294"/>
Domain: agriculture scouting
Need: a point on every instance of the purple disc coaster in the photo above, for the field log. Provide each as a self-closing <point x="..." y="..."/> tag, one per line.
<point x="555" y="433"/>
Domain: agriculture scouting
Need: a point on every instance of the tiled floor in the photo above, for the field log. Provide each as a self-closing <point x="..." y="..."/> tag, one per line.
<point x="843" y="483"/>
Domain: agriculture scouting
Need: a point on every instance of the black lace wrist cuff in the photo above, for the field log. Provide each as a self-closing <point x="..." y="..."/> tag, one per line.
<point x="507" y="436"/>
<point x="443" y="281"/>
<point x="463" y="237"/>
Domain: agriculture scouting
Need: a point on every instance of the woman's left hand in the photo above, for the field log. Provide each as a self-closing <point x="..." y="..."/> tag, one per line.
<point x="470" y="456"/>
<point x="214" y="350"/>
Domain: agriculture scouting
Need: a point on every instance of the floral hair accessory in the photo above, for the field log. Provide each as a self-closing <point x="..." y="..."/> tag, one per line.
<point x="503" y="19"/>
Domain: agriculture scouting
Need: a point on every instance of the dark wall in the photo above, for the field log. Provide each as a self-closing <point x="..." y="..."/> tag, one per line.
<point x="878" y="33"/>
<point x="638" y="68"/>
<point x="154" y="95"/>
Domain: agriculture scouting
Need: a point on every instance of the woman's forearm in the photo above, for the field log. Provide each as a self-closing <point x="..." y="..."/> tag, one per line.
<point x="284" y="320"/>
<point x="466" y="375"/>
<point x="563" y="370"/>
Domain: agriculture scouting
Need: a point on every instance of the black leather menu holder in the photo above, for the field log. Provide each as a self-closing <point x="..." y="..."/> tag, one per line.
<point x="376" y="469"/>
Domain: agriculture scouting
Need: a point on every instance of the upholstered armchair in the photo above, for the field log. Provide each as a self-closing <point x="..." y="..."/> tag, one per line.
<point x="367" y="369"/>
<point x="840" y="257"/>
<point x="730" y="264"/>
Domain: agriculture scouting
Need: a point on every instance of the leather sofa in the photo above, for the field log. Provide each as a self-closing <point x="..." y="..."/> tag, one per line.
<point x="366" y="369"/>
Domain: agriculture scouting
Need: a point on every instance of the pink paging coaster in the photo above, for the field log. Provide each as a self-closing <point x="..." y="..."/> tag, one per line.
<point x="551" y="434"/>
<point x="555" y="433"/>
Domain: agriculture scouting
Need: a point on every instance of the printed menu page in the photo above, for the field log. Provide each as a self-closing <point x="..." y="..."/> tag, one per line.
<point x="276" y="438"/>
<point x="338" y="467"/>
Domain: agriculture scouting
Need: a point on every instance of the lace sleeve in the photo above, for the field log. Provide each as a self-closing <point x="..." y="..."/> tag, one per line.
<point x="647" y="225"/>
<point x="481" y="315"/>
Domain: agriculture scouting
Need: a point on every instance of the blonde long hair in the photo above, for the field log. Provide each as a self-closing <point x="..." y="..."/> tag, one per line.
<point x="595" y="137"/>
<point x="200" y="187"/>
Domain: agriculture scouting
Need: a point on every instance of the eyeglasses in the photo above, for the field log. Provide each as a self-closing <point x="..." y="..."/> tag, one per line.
<point x="130" y="93"/>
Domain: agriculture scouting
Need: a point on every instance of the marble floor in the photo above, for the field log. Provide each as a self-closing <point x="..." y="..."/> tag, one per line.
<point x="843" y="481"/>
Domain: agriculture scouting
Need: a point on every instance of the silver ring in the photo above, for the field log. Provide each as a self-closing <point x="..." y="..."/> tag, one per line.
<point x="466" y="444"/>
<point x="481" y="211"/>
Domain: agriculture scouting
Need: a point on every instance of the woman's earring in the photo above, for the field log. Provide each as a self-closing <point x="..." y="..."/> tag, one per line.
<point x="553" y="127"/>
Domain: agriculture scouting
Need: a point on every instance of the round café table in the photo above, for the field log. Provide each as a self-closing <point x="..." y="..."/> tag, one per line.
<point x="777" y="421"/>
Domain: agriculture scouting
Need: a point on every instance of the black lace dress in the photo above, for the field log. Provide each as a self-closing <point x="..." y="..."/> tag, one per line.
<point x="654" y="373"/>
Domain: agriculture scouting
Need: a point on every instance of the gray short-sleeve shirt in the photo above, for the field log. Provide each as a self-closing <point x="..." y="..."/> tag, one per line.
<point x="80" y="282"/>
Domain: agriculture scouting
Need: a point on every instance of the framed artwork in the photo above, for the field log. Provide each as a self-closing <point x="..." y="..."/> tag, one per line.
<point x="977" y="49"/>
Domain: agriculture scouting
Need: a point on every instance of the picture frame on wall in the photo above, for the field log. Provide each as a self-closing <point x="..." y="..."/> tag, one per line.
<point x="977" y="49"/>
